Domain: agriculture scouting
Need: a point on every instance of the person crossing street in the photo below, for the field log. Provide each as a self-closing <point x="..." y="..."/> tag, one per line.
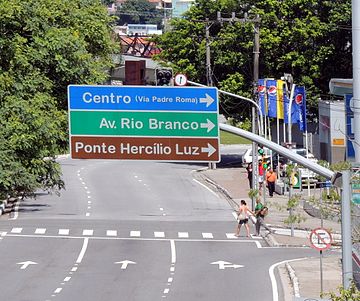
<point x="270" y="180"/>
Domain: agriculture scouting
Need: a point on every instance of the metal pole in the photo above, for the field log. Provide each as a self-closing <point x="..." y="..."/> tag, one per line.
<point x="321" y="273"/>
<point x="208" y="61"/>
<point x="356" y="75"/>
<point x="291" y="209"/>
<point x="256" y="52"/>
<point x="289" y="112"/>
<point x="346" y="231"/>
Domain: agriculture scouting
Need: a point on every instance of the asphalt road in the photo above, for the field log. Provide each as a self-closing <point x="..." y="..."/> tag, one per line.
<point x="133" y="231"/>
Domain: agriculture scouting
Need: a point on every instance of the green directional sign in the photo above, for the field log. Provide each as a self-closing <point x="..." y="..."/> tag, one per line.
<point x="161" y="124"/>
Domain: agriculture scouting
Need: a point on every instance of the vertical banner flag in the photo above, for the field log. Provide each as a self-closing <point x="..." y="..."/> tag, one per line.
<point x="300" y="108"/>
<point x="271" y="89"/>
<point x="350" y="136"/>
<point x="280" y="99"/>
<point x="261" y="93"/>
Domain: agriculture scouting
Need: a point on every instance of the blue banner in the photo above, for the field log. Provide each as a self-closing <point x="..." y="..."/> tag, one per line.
<point x="350" y="136"/>
<point x="142" y="98"/>
<point x="299" y="104"/>
<point x="271" y="89"/>
<point x="262" y="95"/>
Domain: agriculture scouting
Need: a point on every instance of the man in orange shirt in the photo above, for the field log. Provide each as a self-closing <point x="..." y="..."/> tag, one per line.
<point x="271" y="179"/>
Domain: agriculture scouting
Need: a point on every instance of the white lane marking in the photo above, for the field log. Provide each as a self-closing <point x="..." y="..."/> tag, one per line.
<point x="88" y="232"/>
<point x="207" y="235"/>
<point x="173" y="251"/>
<point x="16" y="230"/>
<point x="86" y="187"/>
<point x="258" y="244"/>
<point x="161" y="209"/>
<point x="205" y="187"/>
<point x="83" y="183"/>
<point x="166" y="291"/>
<point x="58" y="290"/>
<point x="170" y="279"/>
<point x="89" y="196"/>
<point x="89" y="207"/>
<point x="89" y="202"/>
<point x="64" y="231"/>
<point x="172" y="269"/>
<point x="80" y="179"/>
<point x="111" y="233"/>
<point x="74" y="269"/>
<point x="159" y="234"/>
<point x="183" y="234"/>
<point x="234" y="215"/>
<point x="66" y="279"/>
<point x="88" y="192"/>
<point x="87" y="214"/>
<point x="273" y="279"/>
<point x="83" y="250"/>
<point x="40" y="231"/>
<point x="16" y="210"/>
<point x="135" y="233"/>
<point x="231" y="235"/>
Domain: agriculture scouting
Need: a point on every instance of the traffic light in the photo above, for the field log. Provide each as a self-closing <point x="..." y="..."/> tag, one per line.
<point x="261" y="151"/>
<point x="163" y="77"/>
<point x="264" y="164"/>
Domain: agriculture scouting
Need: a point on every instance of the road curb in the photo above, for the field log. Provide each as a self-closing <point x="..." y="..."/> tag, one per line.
<point x="294" y="279"/>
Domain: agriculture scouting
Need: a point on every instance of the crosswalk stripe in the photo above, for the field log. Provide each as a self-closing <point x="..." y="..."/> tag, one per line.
<point x="159" y="234"/>
<point x="88" y="232"/>
<point x="135" y="233"/>
<point x="207" y="235"/>
<point x="40" y="231"/>
<point x="230" y="235"/>
<point x="111" y="233"/>
<point x="183" y="234"/>
<point x="64" y="231"/>
<point x="16" y="230"/>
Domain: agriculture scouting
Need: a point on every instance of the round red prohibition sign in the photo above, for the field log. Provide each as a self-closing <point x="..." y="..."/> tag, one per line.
<point x="320" y="239"/>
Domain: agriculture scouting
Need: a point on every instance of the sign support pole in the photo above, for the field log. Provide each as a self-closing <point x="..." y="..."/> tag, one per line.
<point x="347" y="271"/>
<point x="321" y="273"/>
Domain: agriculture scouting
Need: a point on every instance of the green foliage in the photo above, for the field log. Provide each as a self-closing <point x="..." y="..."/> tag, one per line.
<point x="307" y="38"/>
<point x="45" y="46"/>
<point x="254" y="193"/>
<point x="139" y="12"/>
<point x="343" y="294"/>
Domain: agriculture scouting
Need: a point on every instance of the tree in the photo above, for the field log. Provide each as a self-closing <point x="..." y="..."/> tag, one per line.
<point x="45" y="46"/>
<point x="139" y="12"/>
<point x="307" y="38"/>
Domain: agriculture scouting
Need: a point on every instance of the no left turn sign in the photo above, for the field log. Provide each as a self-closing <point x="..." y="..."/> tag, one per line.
<point x="320" y="239"/>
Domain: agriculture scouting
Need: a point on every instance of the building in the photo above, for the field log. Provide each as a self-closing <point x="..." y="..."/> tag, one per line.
<point x="179" y="7"/>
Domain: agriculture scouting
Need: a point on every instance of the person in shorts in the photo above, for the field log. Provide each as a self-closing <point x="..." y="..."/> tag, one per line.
<point x="243" y="218"/>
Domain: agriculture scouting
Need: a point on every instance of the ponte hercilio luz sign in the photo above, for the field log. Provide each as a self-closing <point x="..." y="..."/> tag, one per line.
<point x="144" y="123"/>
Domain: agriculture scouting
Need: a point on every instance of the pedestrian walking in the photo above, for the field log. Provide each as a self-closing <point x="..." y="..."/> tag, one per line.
<point x="260" y="176"/>
<point x="249" y="170"/>
<point x="243" y="218"/>
<point x="260" y="212"/>
<point x="270" y="180"/>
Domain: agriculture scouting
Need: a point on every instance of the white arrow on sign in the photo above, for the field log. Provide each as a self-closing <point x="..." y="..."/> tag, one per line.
<point x="25" y="264"/>
<point x="125" y="263"/>
<point x="208" y="100"/>
<point x="209" y="125"/>
<point x="224" y="264"/>
<point x="209" y="149"/>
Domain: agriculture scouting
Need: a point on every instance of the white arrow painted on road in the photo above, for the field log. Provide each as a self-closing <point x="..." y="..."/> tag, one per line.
<point x="224" y="264"/>
<point x="209" y="149"/>
<point x="25" y="264"/>
<point x="208" y="100"/>
<point x="209" y="125"/>
<point x="124" y="263"/>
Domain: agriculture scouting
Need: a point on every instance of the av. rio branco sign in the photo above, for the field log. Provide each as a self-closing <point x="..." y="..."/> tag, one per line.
<point x="144" y="123"/>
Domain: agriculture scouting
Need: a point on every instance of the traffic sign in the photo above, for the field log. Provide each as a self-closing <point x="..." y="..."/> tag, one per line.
<point x="180" y="79"/>
<point x="145" y="148"/>
<point x="320" y="239"/>
<point x="144" y="123"/>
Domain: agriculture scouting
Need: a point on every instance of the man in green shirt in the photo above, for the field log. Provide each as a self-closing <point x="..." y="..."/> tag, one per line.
<point x="260" y="210"/>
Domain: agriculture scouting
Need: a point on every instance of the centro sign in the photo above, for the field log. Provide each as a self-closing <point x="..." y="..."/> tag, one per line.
<point x="144" y="123"/>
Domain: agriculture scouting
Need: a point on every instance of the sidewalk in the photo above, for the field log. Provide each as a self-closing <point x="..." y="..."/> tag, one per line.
<point x="234" y="184"/>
